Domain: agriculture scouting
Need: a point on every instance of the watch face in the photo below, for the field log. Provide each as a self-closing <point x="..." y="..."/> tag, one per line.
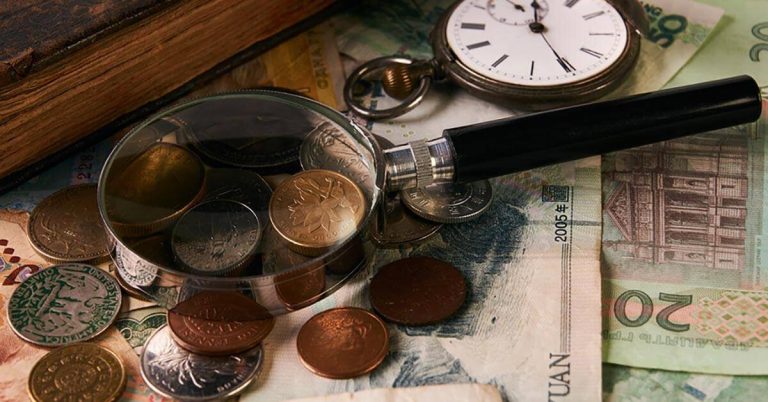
<point x="537" y="42"/>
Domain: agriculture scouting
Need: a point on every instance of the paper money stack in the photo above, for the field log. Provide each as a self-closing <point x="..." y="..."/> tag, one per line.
<point x="658" y="294"/>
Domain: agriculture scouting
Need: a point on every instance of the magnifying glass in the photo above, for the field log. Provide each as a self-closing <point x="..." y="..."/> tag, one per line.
<point x="238" y="192"/>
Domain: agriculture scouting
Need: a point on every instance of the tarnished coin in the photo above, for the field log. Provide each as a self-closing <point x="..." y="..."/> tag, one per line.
<point x="179" y="374"/>
<point x="216" y="238"/>
<point x="395" y="225"/>
<point x="153" y="189"/>
<point x="449" y="202"/>
<point x="64" y="304"/>
<point x="343" y="343"/>
<point x="66" y="226"/>
<point x="417" y="291"/>
<point x="329" y="147"/>
<point x="80" y="372"/>
<point x="239" y="185"/>
<point x="218" y="323"/>
<point x="255" y="133"/>
<point x="316" y="209"/>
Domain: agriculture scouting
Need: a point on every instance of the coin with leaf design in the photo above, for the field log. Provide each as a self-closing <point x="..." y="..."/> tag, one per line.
<point x="316" y="209"/>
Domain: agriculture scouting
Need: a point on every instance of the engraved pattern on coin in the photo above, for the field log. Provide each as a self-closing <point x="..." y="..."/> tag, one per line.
<point x="343" y="343"/>
<point x="64" y="304"/>
<point x="81" y="372"/>
<point x="133" y="268"/>
<point x="317" y="208"/>
<point x="219" y="323"/>
<point x="176" y="373"/>
<point x="66" y="226"/>
<point x="449" y="202"/>
<point x="239" y="185"/>
<point x="395" y="225"/>
<point x="328" y="147"/>
<point x="217" y="237"/>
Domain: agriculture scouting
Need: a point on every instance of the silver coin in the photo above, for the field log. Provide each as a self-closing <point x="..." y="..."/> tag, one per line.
<point x="329" y="147"/>
<point x="449" y="202"/>
<point x="251" y="133"/>
<point x="64" y="304"/>
<point x="239" y="185"/>
<point x="133" y="268"/>
<point x="394" y="225"/>
<point x="178" y="374"/>
<point x="216" y="238"/>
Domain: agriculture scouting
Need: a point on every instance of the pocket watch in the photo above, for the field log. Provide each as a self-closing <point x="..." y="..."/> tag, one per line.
<point x="531" y="54"/>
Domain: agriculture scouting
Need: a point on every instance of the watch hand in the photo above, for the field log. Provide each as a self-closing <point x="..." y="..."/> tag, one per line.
<point x="565" y="64"/>
<point x="535" y="6"/>
<point x="517" y="6"/>
<point x="536" y="26"/>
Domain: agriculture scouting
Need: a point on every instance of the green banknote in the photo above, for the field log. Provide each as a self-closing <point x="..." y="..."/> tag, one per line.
<point x="738" y="45"/>
<point x="685" y="263"/>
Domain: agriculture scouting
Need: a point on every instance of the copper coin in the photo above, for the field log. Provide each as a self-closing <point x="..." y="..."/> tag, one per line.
<point x="66" y="226"/>
<point x="417" y="291"/>
<point x="218" y="323"/>
<point x="316" y="209"/>
<point x="343" y="343"/>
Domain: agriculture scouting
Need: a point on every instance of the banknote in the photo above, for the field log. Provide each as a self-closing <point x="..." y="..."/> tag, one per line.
<point x="738" y="45"/>
<point x="625" y="384"/>
<point x="678" y="29"/>
<point x="443" y="393"/>
<point x="684" y="253"/>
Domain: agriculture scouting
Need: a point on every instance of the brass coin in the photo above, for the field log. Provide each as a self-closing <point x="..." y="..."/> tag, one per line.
<point x="343" y="343"/>
<point x="218" y="323"/>
<point x="153" y="189"/>
<point x="80" y="372"/>
<point x="66" y="226"/>
<point x="417" y="291"/>
<point x="316" y="209"/>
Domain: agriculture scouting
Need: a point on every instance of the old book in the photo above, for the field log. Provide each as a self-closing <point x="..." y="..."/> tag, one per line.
<point x="68" y="68"/>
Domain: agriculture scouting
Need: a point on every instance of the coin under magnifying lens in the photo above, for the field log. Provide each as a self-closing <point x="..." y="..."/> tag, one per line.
<point x="330" y="147"/>
<point x="343" y="343"/>
<point x="66" y="226"/>
<point x="64" y="304"/>
<point x="178" y="374"/>
<point x="449" y="202"/>
<point x="217" y="323"/>
<point x="81" y="372"/>
<point x="417" y="291"/>
<point x="239" y="185"/>
<point x="394" y="225"/>
<point x="317" y="209"/>
<point x="216" y="238"/>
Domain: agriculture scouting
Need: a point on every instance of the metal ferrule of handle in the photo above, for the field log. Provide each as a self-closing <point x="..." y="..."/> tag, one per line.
<point x="419" y="164"/>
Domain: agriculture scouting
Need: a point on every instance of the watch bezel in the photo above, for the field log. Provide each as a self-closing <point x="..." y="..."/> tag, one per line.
<point x="532" y="97"/>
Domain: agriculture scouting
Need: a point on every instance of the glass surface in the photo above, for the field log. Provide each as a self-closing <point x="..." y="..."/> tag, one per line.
<point x="265" y="193"/>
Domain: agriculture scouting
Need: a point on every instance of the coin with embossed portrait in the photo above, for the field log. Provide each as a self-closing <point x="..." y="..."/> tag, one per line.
<point x="66" y="226"/>
<point x="343" y="343"/>
<point x="216" y="238"/>
<point x="64" y="304"/>
<point x="176" y="373"/>
<point x="80" y="372"/>
<point x="329" y="147"/>
<point x="317" y="209"/>
<point x="449" y="202"/>
<point x="219" y="323"/>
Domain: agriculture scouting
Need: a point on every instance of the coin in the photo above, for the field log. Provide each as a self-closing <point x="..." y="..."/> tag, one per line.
<point x="417" y="291"/>
<point x="394" y="225"/>
<point x="139" y="263"/>
<point x="64" y="304"/>
<point x="216" y="238"/>
<point x="66" y="226"/>
<point x="130" y="290"/>
<point x="317" y="209"/>
<point x="251" y="133"/>
<point x="239" y="185"/>
<point x="80" y="372"/>
<point x="153" y="189"/>
<point x="178" y="374"/>
<point x="218" y="323"/>
<point x="329" y="147"/>
<point x="343" y="343"/>
<point x="449" y="202"/>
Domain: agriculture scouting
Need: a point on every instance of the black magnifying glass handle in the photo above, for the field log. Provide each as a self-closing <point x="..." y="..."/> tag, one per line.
<point x="509" y="145"/>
